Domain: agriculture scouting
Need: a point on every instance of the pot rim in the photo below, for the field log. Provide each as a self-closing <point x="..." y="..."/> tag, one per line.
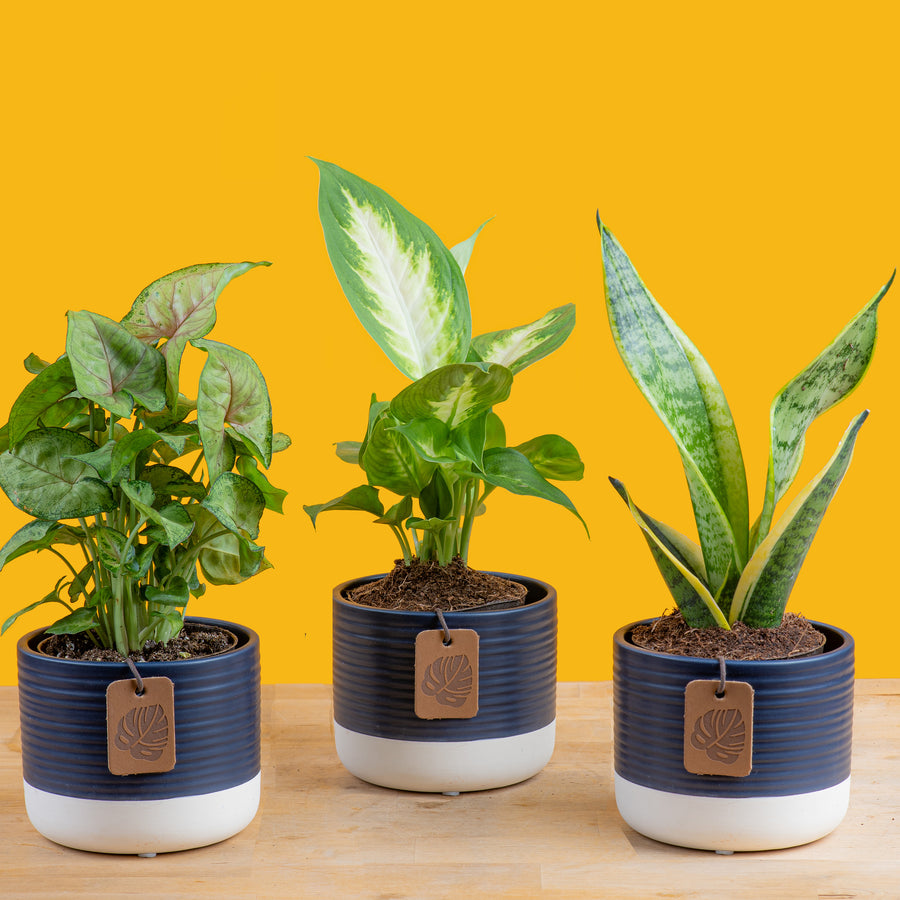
<point x="845" y="645"/>
<point x="247" y="639"/>
<point x="548" y="590"/>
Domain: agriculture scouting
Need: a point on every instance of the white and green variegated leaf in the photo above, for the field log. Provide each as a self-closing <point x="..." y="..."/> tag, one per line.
<point x="766" y="583"/>
<point x="453" y="393"/>
<point x="554" y="457"/>
<point x="830" y="377"/>
<point x="361" y="499"/>
<point x="232" y="391"/>
<point x="180" y="307"/>
<point x="517" y="348"/>
<point x="680" y="562"/>
<point x="507" y="468"/>
<point x="43" y="400"/>
<point x="429" y="437"/>
<point x="113" y="549"/>
<point x="237" y="503"/>
<point x="43" y="479"/>
<point x="112" y="367"/>
<point x="683" y="392"/>
<point x="405" y="286"/>
<point x="462" y="252"/>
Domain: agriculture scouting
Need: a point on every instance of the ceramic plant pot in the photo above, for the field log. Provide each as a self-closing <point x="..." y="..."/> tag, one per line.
<point x="379" y="737"/>
<point x="211" y="793"/>
<point x="799" y="785"/>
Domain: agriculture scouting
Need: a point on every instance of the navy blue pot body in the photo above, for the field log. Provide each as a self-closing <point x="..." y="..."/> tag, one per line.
<point x="374" y="668"/>
<point x="217" y="722"/>
<point x="802" y="723"/>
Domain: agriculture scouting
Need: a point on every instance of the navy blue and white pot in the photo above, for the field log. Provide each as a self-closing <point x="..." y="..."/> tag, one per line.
<point x="799" y="786"/>
<point x="377" y="734"/>
<point x="211" y="794"/>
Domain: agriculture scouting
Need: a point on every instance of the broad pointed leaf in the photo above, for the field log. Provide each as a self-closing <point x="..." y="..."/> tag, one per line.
<point x="360" y="499"/>
<point x="179" y="307"/>
<point x="453" y="393"/>
<point x="397" y="514"/>
<point x="830" y="377"/>
<point x="237" y="503"/>
<point x="83" y="619"/>
<point x="100" y="460"/>
<point x="52" y="597"/>
<point x="274" y="496"/>
<point x="113" y="549"/>
<point x="112" y="367"/>
<point x="44" y="400"/>
<point x="175" y="593"/>
<point x="402" y="282"/>
<point x="226" y="559"/>
<point x="128" y="448"/>
<point x="173" y="519"/>
<point x="509" y="469"/>
<point x="429" y="437"/>
<point x="389" y="460"/>
<point x="553" y="457"/>
<point x="233" y="392"/>
<point x="43" y="480"/>
<point x="517" y="348"/>
<point x="169" y="481"/>
<point x="766" y="583"/>
<point x="680" y="563"/>
<point x="36" y="535"/>
<point x="462" y="252"/>
<point x="683" y="392"/>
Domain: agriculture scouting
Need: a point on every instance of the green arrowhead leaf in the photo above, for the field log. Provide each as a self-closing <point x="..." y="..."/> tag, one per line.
<point x="233" y="392"/>
<point x="517" y="348"/>
<point x="36" y="535"/>
<point x="44" y="400"/>
<point x="274" y="496"/>
<point x="226" y="559"/>
<point x="42" y="479"/>
<point x="173" y="519"/>
<point x="766" y="583"/>
<point x="175" y="593"/>
<point x="237" y="503"/>
<point x="827" y="380"/>
<point x="553" y="457"/>
<point x="169" y="481"/>
<point x="83" y="619"/>
<point x="402" y="282"/>
<point x="113" y="368"/>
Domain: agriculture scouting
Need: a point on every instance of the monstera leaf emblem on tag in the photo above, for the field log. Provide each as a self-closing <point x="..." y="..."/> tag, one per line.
<point x="721" y="734"/>
<point x="143" y="732"/>
<point x="449" y="680"/>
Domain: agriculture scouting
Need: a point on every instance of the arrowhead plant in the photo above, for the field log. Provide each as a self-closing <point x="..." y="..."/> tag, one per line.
<point x="738" y="572"/>
<point x="438" y="446"/>
<point x="114" y="463"/>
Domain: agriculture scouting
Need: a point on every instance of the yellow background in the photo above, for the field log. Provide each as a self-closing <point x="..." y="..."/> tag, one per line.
<point x="746" y="155"/>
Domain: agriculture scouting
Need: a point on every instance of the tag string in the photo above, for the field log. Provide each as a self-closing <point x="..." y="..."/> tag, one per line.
<point x="137" y="676"/>
<point x="720" y="691"/>
<point x="447" y="639"/>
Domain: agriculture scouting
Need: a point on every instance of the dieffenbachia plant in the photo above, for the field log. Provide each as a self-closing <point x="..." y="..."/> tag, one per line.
<point x="738" y="572"/>
<point x="93" y="449"/>
<point x="438" y="442"/>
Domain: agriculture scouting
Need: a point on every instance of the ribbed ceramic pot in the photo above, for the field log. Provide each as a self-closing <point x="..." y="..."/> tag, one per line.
<point x="799" y="786"/>
<point x="378" y="736"/>
<point x="211" y="794"/>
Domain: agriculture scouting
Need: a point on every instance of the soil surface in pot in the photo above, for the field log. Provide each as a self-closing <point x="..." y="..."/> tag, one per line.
<point x="194" y="641"/>
<point x="796" y="636"/>
<point x="426" y="586"/>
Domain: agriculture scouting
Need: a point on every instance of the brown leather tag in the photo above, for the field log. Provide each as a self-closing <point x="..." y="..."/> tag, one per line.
<point x="140" y="728"/>
<point x="718" y="731"/>
<point x="447" y="674"/>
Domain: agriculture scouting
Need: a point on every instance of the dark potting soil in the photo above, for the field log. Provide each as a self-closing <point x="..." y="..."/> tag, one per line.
<point x="796" y="636"/>
<point x="426" y="586"/>
<point x="194" y="641"/>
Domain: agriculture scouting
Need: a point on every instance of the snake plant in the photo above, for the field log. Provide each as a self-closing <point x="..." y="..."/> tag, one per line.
<point x="739" y="572"/>
<point x="438" y="444"/>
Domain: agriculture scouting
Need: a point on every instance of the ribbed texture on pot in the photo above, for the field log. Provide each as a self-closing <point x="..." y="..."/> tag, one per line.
<point x="374" y="668"/>
<point x="803" y="717"/>
<point x="217" y="722"/>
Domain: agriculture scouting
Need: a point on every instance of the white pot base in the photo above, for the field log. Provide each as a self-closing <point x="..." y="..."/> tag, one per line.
<point x="732" y="823"/>
<point x="445" y="766"/>
<point x="143" y="826"/>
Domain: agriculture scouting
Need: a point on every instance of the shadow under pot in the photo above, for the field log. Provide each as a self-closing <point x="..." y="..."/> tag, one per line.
<point x="210" y="793"/>
<point x="794" y="744"/>
<point x="379" y="736"/>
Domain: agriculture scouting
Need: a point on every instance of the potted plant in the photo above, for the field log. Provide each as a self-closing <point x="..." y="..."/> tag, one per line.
<point x="479" y="712"/>
<point x="140" y="729"/>
<point x="739" y="744"/>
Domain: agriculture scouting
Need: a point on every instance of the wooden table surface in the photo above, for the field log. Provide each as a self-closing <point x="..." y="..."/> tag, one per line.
<point x="322" y="833"/>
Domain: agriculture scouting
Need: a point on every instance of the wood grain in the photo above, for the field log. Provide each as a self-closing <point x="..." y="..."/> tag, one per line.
<point x="322" y="833"/>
